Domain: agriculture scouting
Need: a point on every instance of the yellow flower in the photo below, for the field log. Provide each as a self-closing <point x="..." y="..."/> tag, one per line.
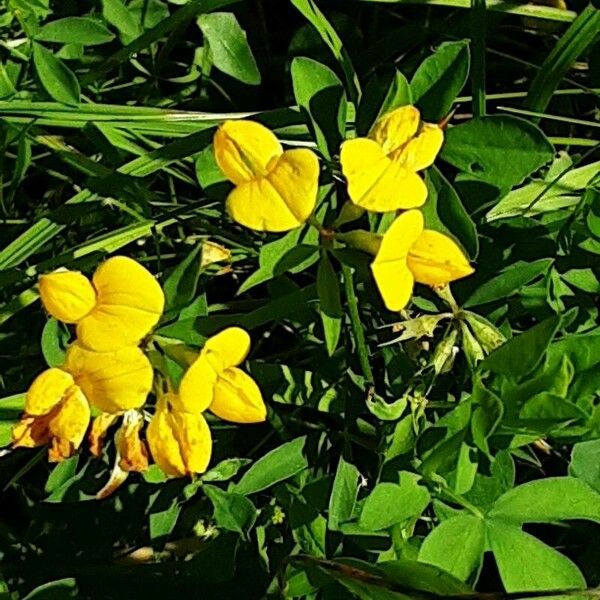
<point x="214" y="382"/>
<point x="275" y="190"/>
<point x="381" y="170"/>
<point x="179" y="441"/>
<point x="410" y="253"/>
<point x="57" y="405"/>
<point x="121" y="304"/>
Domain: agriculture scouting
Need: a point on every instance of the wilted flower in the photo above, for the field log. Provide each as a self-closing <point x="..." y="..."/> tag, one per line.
<point x="117" y="308"/>
<point x="275" y="190"/>
<point x="382" y="169"/>
<point x="57" y="405"/>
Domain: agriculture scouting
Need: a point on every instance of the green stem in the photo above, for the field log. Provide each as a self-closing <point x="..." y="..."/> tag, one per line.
<point x="355" y="322"/>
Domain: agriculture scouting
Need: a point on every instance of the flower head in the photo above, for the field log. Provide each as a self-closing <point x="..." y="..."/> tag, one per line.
<point x="215" y="382"/>
<point x="275" y="190"/>
<point x="410" y="253"/>
<point x="382" y="169"/>
<point x="117" y="308"/>
<point x="179" y="441"/>
<point x="57" y="404"/>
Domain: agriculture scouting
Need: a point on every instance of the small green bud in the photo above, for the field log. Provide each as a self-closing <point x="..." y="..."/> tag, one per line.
<point x="361" y="240"/>
<point x="471" y="347"/>
<point x="445" y="352"/>
<point x="488" y="336"/>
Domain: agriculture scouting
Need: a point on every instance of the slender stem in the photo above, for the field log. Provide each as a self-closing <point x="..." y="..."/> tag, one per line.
<point x="478" y="31"/>
<point x="355" y="322"/>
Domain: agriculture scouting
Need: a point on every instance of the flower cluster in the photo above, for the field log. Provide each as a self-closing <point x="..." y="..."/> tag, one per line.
<point x="276" y="190"/>
<point x="106" y="374"/>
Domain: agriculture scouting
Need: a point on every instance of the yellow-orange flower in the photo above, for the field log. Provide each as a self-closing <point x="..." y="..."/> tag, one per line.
<point x="57" y="404"/>
<point x="410" y="253"/>
<point x="214" y="382"/>
<point x="117" y="308"/>
<point x="180" y="441"/>
<point x="274" y="190"/>
<point x="381" y="169"/>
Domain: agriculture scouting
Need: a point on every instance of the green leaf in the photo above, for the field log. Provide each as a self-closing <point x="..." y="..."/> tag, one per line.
<point x="58" y="80"/>
<point x="118" y="15"/>
<point x="320" y="93"/>
<point x="580" y="35"/>
<point x="75" y="30"/>
<point x="386" y="411"/>
<point x="292" y="253"/>
<point x="343" y="494"/>
<point x="487" y="414"/>
<point x="330" y="302"/>
<point x="455" y="545"/>
<point x="382" y="94"/>
<point x="226" y="469"/>
<point x="275" y="466"/>
<point x="60" y="589"/>
<point x="501" y="150"/>
<point x="547" y="501"/>
<point x="180" y="286"/>
<point x="11" y="408"/>
<point x="54" y="338"/>
<point x="391" y="503"/>
<point x="163" y="522"/>
<point x="510" y="281"/>
<point x="520" y="355"/>
<point x="585" y="462"/>
<point x="61" y="473"/>
<point x="440" y="78"/>
<point x="445" y="212"/>
<point x="233" y="512"/>
<point x="526" y="564"/>
<point x="229" y="47"/>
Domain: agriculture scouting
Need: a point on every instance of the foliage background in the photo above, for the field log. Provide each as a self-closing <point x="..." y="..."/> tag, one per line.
<point x="380" y="453"/>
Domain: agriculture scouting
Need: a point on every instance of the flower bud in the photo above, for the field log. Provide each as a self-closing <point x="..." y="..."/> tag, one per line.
<point x="488" y="336"/>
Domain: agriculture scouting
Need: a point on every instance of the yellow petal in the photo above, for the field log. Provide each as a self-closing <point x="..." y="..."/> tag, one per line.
<point x="46" y="391"/>
<point x="67" y="295"/>
<point x="31" y="432"/>
<point x="228" y="348"/>
<point x="112" y="381"/>
<point x="283" y="199"/>
<point x="395" y="128"/>
<point x="377" y="183"/>
<point x="69" y="425"/>
<point x="196" y="387"/>
<point x="244" y="149"/>
<point x="435" y="259"/>
<point x="100" y="425"/>
<point x="420" y="152"/>
<point x="213" y="253"/>
<point x="390" y="269"/>
<point x="163" y="444"/>
<point x="195" y="440"/>
<point x="129" y="304"/>
<point x="180" y="442"/>
<point x="130" y="447"/>
<point x="238" y="398"/>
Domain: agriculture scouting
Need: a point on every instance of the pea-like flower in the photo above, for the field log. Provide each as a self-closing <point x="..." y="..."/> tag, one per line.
<point x="180" y="441"/>
<point x="215" y="382"/>
<point x="118" y="307"/>
<point x="381" y="169"/>
<point x="275" y="190"/>
<point x="410" y="253"/>
<point x="57" y="404"/>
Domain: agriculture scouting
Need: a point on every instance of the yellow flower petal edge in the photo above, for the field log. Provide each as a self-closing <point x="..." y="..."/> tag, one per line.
<point x="112" y="381"/>
<point x="180" y="442"/>
<point x="129" y="304"/>
<point x="410" y="253"/>
<point x="244" y="149"/>
<point x="67" y="295"/>
<point x="275" y="190"/>
<point x="237" y="398"/>
<point x="381" y="170"/>
<point x="120" y="306"/>
<point x="223" y="350"/>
